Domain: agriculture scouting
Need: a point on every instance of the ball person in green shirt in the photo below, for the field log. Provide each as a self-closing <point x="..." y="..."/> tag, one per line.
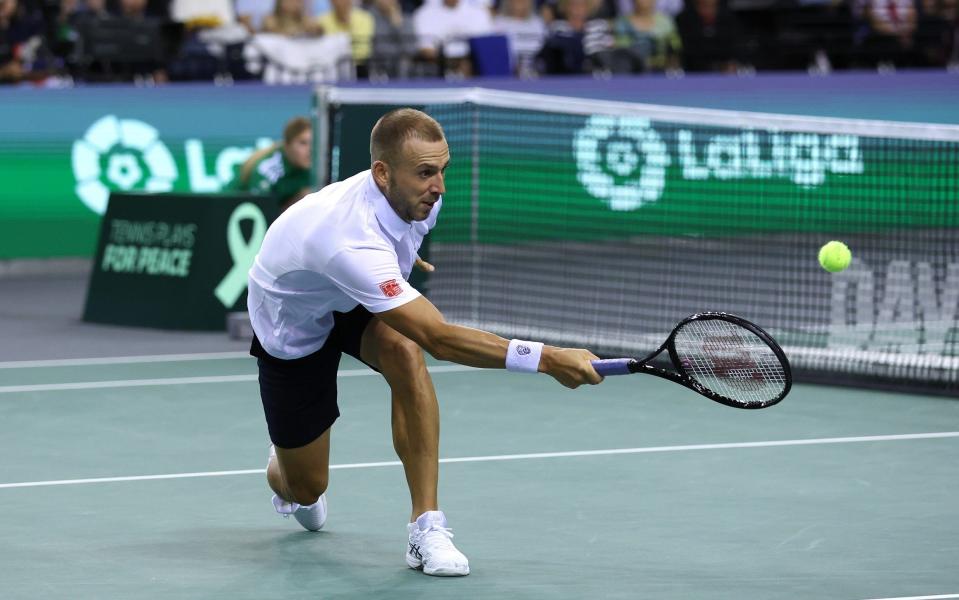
<point x="283" y="169"/>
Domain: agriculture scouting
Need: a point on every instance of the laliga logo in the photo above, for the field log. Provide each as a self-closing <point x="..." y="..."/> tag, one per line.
<point x="622" y="160"/>
<point x="608" y="152"/>
<point x="127" y="153"/>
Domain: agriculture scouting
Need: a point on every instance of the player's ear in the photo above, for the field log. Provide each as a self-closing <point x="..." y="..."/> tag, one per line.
<point x="381" y="173"/>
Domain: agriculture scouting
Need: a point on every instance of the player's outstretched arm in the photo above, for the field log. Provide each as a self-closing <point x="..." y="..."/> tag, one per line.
<point x="420" y="321"/>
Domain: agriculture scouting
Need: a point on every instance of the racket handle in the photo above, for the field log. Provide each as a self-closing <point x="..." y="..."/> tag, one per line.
<point x="612" y="366"/>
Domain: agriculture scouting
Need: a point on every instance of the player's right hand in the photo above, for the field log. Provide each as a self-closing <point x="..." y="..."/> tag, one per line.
<point x="570" y="366"/>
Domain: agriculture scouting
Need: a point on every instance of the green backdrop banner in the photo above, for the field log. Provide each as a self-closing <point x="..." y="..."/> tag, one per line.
<point x="602" y="178"/>
<point x="175" y="261"/>
<point x="63" y="151"/>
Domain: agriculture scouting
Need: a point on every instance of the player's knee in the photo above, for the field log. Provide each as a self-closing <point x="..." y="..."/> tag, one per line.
<point x="307" y="490"/>
<point x="402" y="354"/>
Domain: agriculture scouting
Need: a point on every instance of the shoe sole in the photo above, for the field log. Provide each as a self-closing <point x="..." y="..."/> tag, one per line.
<point x="441" y="572"/>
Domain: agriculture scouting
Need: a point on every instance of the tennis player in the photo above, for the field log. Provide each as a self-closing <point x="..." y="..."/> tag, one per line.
<point x="331" y="277"/>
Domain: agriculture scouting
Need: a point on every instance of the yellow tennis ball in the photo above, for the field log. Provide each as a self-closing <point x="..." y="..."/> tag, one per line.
<point x="834" y="256"/>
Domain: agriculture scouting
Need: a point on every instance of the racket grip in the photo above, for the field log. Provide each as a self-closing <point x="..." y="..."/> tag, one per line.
<point x="612" y="366"/>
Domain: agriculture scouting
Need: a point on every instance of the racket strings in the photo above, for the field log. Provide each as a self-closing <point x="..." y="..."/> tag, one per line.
<point x="730" y="360"/>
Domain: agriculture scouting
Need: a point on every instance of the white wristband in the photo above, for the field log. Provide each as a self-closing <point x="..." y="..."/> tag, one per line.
<point x="523" y="356"/>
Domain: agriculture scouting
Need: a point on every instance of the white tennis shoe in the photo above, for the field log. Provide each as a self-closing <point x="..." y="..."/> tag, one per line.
<point x="311" y="517"/>
<point x="431" y="547"/>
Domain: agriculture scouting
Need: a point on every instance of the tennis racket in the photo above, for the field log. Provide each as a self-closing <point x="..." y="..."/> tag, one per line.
<point x="721" y="356"/>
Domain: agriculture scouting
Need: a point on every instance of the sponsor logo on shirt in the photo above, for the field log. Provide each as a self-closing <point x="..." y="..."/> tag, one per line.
<point x="391" y="289"/>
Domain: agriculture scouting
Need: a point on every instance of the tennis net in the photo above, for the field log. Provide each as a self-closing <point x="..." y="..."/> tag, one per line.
<point x="601" y="224"/>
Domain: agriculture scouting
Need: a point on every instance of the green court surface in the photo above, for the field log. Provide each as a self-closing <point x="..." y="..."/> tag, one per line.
<point x="636" y="488"/>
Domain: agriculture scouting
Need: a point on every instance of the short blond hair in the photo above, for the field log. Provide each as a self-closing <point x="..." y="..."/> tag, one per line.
<point x="394" y="128"/>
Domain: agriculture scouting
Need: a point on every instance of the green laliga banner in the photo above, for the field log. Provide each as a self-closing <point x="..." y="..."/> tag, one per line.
<point x="621" y="176"/>
<point x="605" y="178"/>
<point x="62" y="152"/>
<point x="175" y="261"/>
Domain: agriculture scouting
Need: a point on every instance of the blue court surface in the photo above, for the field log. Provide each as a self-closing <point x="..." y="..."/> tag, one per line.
<point x="143" y="478"/>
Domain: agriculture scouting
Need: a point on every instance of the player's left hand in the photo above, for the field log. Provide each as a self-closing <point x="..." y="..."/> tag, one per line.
<point x="424" y="266"/>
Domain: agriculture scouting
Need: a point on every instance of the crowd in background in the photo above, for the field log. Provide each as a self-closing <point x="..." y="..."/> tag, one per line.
<point x="162" y="40"/>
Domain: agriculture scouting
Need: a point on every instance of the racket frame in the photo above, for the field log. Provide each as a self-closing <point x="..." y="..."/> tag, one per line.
<point x="681" y="377"/>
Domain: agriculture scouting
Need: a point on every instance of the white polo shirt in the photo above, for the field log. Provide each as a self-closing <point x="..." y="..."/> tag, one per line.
<point x="435" y="23"/>
<point x="332" y="250"/>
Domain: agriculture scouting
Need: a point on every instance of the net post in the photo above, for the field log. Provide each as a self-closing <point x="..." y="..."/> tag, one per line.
<point x="321" y="136"/>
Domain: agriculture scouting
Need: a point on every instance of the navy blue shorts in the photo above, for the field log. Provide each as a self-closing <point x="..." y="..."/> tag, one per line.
<point x="299" y="395"/>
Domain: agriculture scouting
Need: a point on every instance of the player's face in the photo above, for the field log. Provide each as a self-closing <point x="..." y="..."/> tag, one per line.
<point x="299" y="150"/>
<point x="418" y="181"/>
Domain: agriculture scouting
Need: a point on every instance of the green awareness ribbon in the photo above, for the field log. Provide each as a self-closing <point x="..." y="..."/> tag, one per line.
<point x="241" y="251"/>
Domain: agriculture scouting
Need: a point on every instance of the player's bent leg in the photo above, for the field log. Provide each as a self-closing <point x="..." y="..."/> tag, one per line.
<point x="415" y="421"/>
<point x="300" y="476"/>
<point x="415" y="413"/>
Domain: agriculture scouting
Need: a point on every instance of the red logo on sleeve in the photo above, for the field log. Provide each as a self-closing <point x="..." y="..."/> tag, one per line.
<point x="391" y="288"/>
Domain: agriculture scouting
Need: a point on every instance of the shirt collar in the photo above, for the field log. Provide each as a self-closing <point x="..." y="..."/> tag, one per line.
<point x="389" y="220"/>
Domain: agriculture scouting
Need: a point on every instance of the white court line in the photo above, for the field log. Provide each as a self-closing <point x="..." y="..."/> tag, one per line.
<point x="119" y="360"/>
<point x="919" y="597"/>
<point x="94" y="385"/>
<point x="502" y="457"/>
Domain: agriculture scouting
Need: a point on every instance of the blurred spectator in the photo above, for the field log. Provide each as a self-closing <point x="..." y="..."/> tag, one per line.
<point x="356" y="22"/>
<point x="487" y="5"/>
<point x="11" y="66"/>
<point x="526" y="32"/>
<point x="282" y="170"/>
<point x="394" y="41"/>
<point x="552" y="10"/>
<point x="290" y="18"/>
<point x="20" y="37"/>
<point x="210" y="42"/>
<point x="203" y="14"/>
<point x="579" y="42"/>
<point x="69" y="12"/>
<point x="73" y="15"/>
<point x="128" y="44"/>
<point x="135" y="10"/>
<point x="648" y="38"/>
<point x="252" y="13"/>
<point x="668" y="7"/>
<point x="443" y="28"/>
<point x="408" y="7"/>
<point x="315" y="8"/>
<point x="73" y="10"/>
<point x="815" y="35"/>
<point x="710" y="37"/>
<point x="891" y="25"/>
<point x="935" y="32"/>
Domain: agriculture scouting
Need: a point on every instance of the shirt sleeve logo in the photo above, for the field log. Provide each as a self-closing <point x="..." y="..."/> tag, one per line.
<point x="391" y="289"/>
